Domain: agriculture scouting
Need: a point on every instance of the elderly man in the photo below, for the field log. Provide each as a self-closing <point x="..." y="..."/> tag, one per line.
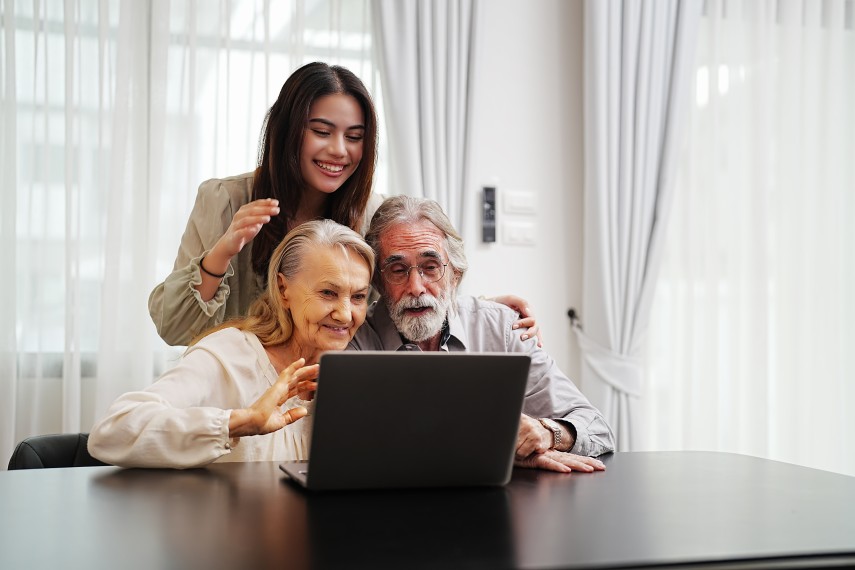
<point x="420" y="262"/>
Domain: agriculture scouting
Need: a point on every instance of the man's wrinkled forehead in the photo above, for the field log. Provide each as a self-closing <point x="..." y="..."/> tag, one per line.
<point x="408" y="240"/>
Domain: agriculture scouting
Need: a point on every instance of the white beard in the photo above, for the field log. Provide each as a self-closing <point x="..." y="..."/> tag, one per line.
<point x="422" y="327"/>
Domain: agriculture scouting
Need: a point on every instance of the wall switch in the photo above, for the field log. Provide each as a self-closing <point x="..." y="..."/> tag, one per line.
<point x="519" y="233"/>
<point x="519" y="202"/>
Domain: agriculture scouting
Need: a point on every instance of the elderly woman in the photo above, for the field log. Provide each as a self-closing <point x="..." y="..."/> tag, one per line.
<point x="232" y="382"/>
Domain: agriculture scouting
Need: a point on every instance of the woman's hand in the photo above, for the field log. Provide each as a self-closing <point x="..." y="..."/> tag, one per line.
<point x="527" y="320"/>
<point x="245" y="225"/>
<point x="266" y="415"/>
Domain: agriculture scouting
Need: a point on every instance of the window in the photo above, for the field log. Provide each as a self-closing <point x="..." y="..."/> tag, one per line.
<point x="119" y="111"/>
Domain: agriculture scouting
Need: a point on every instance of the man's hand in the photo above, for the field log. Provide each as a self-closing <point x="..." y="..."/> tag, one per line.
<point x="561" y="462"/>
<point x="532" y="438"/>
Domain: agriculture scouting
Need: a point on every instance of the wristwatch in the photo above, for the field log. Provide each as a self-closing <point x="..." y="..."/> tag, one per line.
<point x="555" y="429"/>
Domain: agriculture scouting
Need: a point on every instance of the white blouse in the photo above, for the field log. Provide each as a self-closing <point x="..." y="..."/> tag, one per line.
<point x="182" y="419"/>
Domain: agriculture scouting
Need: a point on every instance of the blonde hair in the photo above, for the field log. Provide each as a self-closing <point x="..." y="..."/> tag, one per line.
<point x="267" y="318"/>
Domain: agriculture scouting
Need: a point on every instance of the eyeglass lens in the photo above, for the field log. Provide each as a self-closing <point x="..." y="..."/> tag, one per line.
<point x="430" y="271"/>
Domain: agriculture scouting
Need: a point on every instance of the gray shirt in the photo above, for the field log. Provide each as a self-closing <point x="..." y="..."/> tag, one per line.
<point x="485" y="326"/>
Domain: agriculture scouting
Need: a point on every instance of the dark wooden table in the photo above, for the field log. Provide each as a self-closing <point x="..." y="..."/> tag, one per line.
<point x="647" y="509"/>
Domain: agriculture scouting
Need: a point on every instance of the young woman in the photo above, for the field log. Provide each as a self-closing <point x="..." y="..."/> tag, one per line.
<point x="316" y="160"/>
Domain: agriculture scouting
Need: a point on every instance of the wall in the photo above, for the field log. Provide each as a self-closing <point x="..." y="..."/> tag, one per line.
<point x="527" y="135"/>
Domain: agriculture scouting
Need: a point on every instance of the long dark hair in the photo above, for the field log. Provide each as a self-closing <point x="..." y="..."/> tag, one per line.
<point x="278" y="174"/>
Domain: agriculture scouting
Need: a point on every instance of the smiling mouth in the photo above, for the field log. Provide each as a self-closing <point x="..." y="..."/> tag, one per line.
<point x="337" y="330"/>
<point x="330" y="167"/>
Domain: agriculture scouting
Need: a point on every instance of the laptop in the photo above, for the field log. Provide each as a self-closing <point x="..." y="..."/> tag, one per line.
<point x="389" y="420"/>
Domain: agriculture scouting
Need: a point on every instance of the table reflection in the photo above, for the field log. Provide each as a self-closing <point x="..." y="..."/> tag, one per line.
<point x="382" y="528"/>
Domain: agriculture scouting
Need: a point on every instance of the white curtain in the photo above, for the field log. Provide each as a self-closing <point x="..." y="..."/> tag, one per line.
<point x="113" y="112"/>
<point x="753" y="328"/>
<point x="426" y="50"/>
<point x="638" y="58"/>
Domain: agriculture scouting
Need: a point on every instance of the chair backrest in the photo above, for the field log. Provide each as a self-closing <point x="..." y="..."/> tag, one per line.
<point x="56" y="450"/>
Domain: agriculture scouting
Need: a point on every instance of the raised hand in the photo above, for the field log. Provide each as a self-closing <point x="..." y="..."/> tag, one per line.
<point x="245" y="225"/>
<point x="266" y="414"/>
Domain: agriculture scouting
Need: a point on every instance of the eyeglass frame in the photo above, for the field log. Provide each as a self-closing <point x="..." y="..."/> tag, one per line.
<point x="417" y="267"/>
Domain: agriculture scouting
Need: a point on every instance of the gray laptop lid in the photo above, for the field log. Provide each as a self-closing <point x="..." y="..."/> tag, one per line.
<point x="414" y="419"/>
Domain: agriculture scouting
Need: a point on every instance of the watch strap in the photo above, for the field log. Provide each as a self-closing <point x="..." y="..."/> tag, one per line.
<point x="555" y="429"/>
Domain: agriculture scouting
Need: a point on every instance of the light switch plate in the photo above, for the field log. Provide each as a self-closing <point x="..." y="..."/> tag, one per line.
<point x="519" y="233"/>
<point x="519" y="202"/>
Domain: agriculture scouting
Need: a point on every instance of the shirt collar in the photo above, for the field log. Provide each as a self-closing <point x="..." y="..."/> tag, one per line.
<point x="457" y="338"/>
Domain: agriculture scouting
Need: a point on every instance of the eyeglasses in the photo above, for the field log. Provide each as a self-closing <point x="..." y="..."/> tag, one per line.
<point x="397" y="272"/>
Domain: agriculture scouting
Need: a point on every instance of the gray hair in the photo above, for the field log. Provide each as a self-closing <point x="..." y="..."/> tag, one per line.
<point x="408" y="209"/>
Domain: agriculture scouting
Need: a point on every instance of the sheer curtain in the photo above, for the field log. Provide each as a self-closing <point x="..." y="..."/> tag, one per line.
<point x="638" y="58"/>
<point x="753" y="327"/>
<point x="426" y="57"/>
<point x="113" y="112"/>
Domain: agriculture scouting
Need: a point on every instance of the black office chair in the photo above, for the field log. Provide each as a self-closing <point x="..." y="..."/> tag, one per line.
<point x="49" y="451"/>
